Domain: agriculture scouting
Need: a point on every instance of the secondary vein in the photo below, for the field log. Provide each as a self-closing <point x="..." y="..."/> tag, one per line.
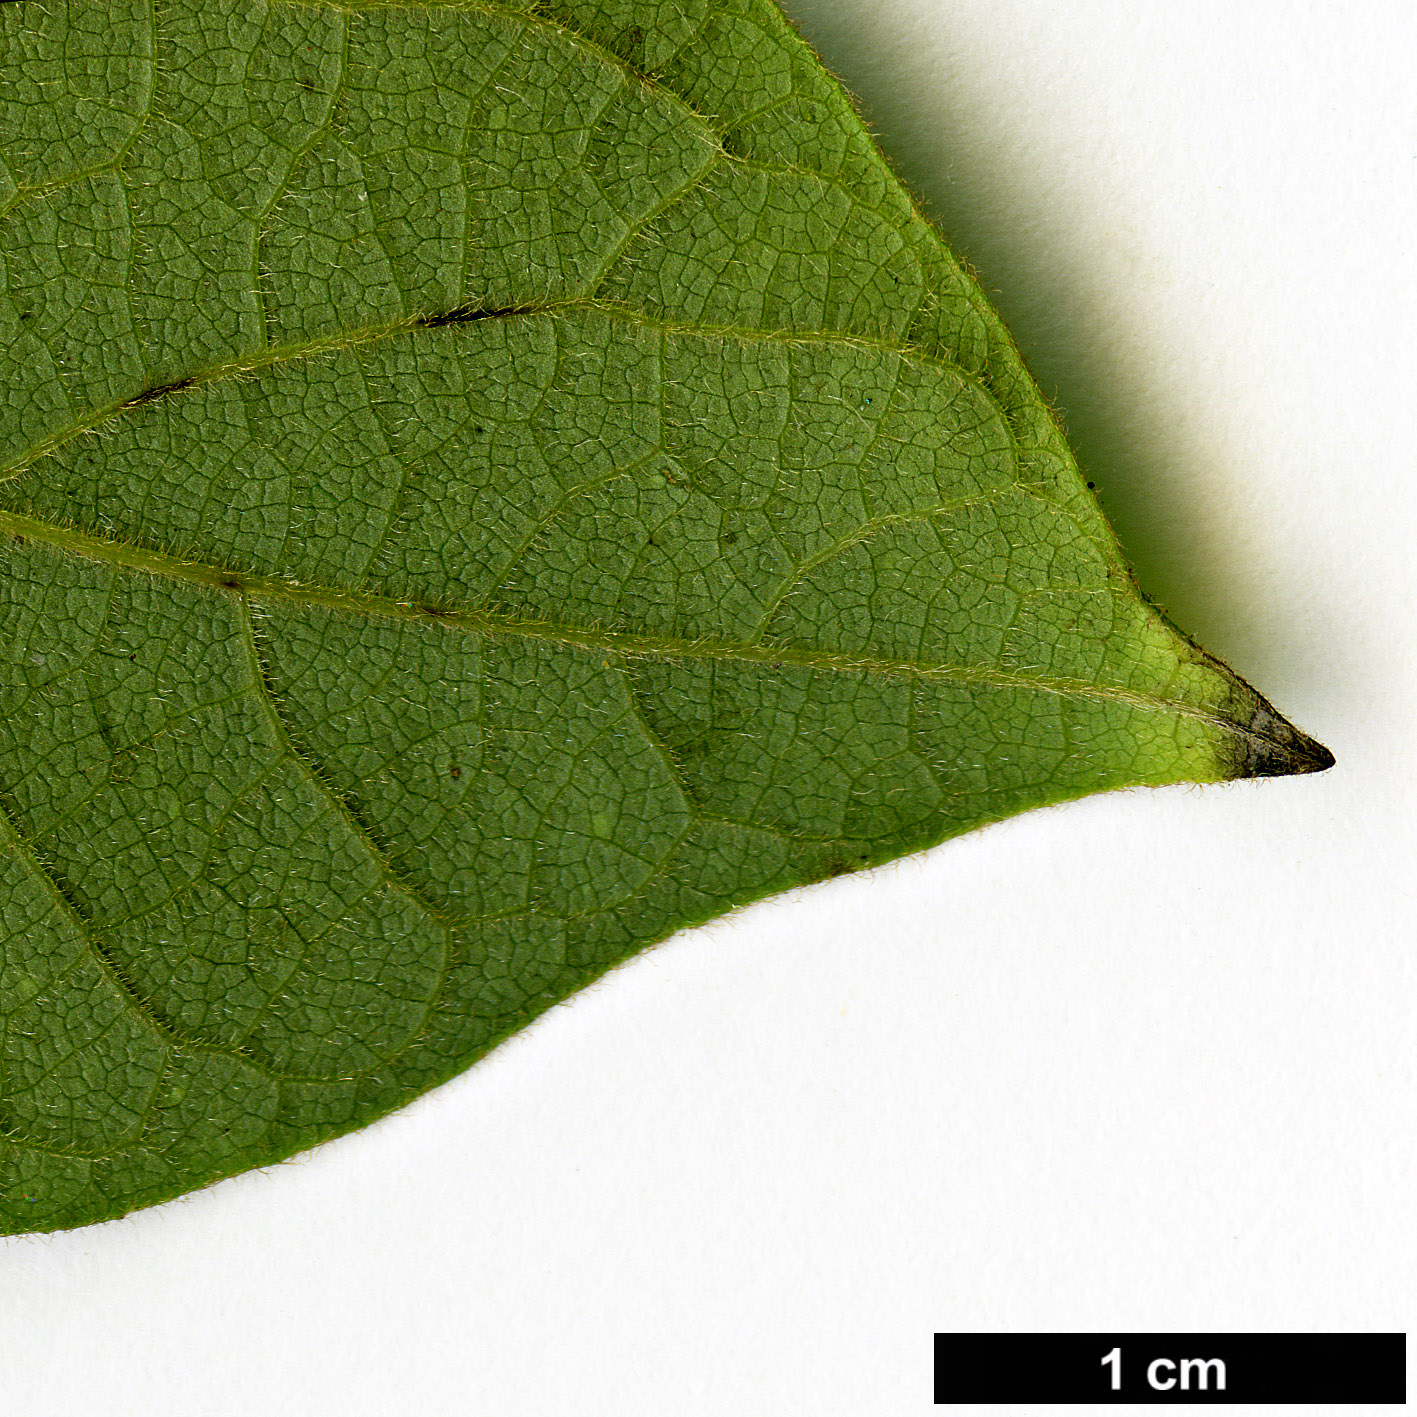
<point x="278" y="355"/>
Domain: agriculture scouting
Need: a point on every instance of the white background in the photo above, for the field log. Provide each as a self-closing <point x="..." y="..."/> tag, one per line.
<point x="1143" y="1062"/>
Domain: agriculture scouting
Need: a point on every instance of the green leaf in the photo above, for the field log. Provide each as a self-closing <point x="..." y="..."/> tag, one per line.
<point x="486" y="486"/>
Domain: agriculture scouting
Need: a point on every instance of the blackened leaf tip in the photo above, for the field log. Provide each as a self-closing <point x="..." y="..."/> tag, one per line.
<point x="1268" y="745"/>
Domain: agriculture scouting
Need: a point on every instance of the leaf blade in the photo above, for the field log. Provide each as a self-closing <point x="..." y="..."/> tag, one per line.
<point x="593" y="500"/>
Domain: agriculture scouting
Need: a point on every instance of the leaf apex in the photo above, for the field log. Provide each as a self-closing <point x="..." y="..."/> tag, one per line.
<point x="1268" y="745"/>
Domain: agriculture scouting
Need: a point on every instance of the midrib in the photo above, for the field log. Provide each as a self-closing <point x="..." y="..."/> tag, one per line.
<point x="588" y="639"/>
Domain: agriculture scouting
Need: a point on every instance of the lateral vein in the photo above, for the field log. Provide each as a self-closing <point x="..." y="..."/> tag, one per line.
<point x="278" y="355"/>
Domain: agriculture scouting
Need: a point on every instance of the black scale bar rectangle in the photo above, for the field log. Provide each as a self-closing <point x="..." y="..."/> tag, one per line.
<point x="1050" y="1368"/>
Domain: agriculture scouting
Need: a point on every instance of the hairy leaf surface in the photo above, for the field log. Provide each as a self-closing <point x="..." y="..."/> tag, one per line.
<point x="482" y="487"/>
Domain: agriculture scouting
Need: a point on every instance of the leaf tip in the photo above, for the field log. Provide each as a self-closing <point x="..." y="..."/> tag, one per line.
<point x="1266" y="744"/>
